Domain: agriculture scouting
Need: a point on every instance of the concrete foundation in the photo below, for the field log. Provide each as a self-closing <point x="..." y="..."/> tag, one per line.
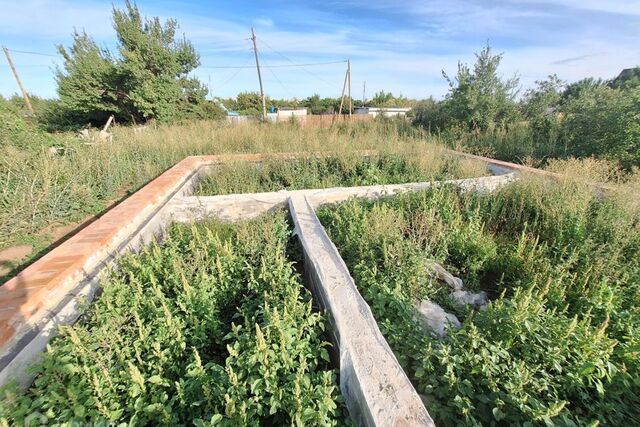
<point x="49" y="292"/>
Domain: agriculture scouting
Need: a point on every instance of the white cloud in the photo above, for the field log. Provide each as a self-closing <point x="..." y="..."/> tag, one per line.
<point x="406" y="54"/>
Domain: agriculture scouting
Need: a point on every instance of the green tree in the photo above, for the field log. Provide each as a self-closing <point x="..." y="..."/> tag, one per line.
<point x="604" y="122"/>
<point x="479" y="98"/>
<point x="148" y="79"/>
<point x="580" y="88"/>
<point x="249" y="103"/>
<point x="387" y="99"/>
<point x="431" y="114"/>
<point x="317" y="105"/>
<point x="540" y="106"/>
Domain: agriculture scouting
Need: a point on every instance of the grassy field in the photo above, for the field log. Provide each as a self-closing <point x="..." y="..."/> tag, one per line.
<point x="214" y="326"/>
<point x="559" y="343"/>
<point x="41" y="192"/>
<point x="346" y="169"/>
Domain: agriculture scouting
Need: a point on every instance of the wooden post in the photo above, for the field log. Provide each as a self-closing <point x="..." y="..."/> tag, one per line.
<point x="364" y="90"/>
<point x="344" y="87"/>
<point x="350" y="99"/>
<point x="255" y="50"/>
<point x="15" y="74"/>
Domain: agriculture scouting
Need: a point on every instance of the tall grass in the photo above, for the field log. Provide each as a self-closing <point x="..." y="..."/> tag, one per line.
<point x="345" y="169"/>
<point x="40" y="189"/>
<point x="558" y="345"/>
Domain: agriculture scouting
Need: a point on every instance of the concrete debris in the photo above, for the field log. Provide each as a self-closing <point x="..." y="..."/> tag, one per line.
<point x="478" y="300"/>
<point x="438" y="272"/>
<point x="95" y="137"/>
<point x="56" y="151"/>
<point x="83" y="134"/>
<point x="435" y="318"/>
<point x="104" y="136"/>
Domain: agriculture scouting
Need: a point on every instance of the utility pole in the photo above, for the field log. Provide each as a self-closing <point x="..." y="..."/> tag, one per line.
<point x="344" y="87"/>
<point x="255" y="50"/>
<point x="364" y="90"/>
<point x="350" y="98"/>
<point x="15" y="74"/>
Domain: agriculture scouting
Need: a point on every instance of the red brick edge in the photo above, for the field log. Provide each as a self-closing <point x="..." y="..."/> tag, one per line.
<point x="26" y="298"/>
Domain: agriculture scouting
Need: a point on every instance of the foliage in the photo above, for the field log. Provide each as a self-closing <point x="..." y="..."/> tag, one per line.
<point x="213" y="327"/>
<point x="41" y="192"/>
<point x="603" y="122"/>
<point x="387" y="99"/>
<point x="583" y="87"/>
<point x="431" y="114"/>
<point x="478" y="98"/>
<point x="317" y="105"/>
<point x="148" y="79"/>
<point x="318" y="172"/>
<point x="558" y="343"/>
<point x="248" y="104"/>
<point x="18" y="131"/>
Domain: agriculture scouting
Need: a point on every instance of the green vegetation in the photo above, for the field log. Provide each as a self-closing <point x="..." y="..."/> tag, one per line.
<point x="347" y="170"/>
<point x="213" y="327"/>
<point x="552" y="120"/>
<point x="558" y="345"/>
<point x="41" y="190"/>
<point x="147" y="79"/>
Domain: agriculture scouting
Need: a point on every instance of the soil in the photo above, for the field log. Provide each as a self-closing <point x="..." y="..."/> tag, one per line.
<point x="10" y="257"/>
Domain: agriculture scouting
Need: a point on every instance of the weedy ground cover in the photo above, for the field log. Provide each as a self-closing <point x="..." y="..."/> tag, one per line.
<point x="347" y="169"/>
<point x="213" y="327"/>
<point x="560" y="341"/>
<point x="40" y="190"/>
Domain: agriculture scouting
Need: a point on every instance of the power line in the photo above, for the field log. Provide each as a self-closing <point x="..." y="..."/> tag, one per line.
<point x="280" y="82"/>
<point x="303" y="65"/>
<point x="277" y="65"/>
<point x="33" y="53"/>
<point x="235" y="73"/>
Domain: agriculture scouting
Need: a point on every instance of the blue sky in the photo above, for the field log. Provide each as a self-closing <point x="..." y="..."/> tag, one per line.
<point x="396" y="46"/>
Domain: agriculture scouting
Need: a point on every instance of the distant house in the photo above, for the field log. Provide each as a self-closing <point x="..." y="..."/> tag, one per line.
<point x="626" y="77"/>
<point x="283" y="114"/>
<point x="385" y="111"/>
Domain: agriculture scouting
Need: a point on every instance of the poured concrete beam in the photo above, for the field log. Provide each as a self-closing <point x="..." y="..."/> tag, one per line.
<point x="236" y="207"/>
<point x="374" y="385"/>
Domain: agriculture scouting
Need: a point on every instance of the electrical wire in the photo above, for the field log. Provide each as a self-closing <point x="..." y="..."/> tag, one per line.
<point x="277" y="65"/>
<point x="286" y="89"/>
<point x="302" y="65"/>
<point x="33" y="53"/>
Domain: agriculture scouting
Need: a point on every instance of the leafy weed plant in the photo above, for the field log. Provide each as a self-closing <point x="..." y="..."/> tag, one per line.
<point x="213" y="327"/>
<point x="559" y="343"/>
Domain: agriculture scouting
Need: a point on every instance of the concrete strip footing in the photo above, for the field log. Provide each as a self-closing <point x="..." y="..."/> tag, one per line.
<point x="50" y="292"/>
<point x="236" y="207"/>
<point x="374" y="385"/>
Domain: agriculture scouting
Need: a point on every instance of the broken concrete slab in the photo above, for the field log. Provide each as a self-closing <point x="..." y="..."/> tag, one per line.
<point x="439" y="273"/>
<point x="434" y="318"/>
<point x="477" y="300"/>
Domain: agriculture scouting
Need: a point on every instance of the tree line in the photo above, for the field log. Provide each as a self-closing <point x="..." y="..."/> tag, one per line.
<point x="590" y="117"/>
<point x="149" y="78"/>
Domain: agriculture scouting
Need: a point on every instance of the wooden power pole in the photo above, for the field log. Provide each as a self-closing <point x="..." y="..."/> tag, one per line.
<point x="350" y="98"/>
<point x="15" y="74"/>
<point x="255" y="50"/>
<point x="364" y="91"/>
<point x="344" y="87"/>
